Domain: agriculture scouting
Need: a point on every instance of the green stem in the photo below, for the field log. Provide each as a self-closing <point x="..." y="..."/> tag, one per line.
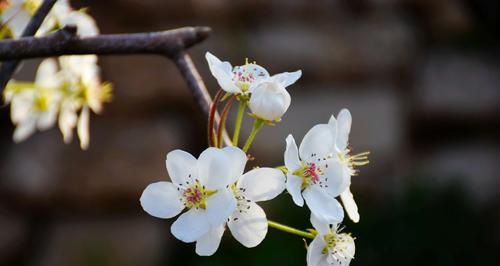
<point x="256" y="126"/>
<point x="290" y="230"/>
<point x="239" y="119"/>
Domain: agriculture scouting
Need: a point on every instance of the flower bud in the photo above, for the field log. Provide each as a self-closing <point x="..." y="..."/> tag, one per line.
<point x="269" y="101"/>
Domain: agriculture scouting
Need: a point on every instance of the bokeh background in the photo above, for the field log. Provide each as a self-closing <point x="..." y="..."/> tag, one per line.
<point x="421" y="78"/>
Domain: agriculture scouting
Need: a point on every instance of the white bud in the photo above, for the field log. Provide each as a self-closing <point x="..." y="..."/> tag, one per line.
<point x="269" y="101"/>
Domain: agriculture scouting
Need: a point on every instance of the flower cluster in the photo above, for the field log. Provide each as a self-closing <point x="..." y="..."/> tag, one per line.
<point x="218" y="194"/>
<point x="66" y="88"/>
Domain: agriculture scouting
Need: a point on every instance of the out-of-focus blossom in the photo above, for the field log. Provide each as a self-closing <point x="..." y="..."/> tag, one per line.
<point x="34" y="105"/>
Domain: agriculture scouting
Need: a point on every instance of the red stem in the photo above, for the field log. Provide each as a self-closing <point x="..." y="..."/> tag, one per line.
<point x="211" y="119"/>
<point x="223" y="117"/>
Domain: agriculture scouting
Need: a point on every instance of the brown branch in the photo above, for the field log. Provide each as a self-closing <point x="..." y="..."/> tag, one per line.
<point x="169" y="43"/>
<point x="8" y="68"/>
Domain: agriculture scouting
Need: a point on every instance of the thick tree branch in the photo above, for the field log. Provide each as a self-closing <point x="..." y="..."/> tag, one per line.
<point x="7" y="68"/>
<point x="169" y="43"/>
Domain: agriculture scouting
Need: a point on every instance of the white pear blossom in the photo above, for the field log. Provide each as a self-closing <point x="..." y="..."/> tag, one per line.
<point x="315" y="176"/>
<point x="248" y="223"/>
<point x="269" y="101"/>
<point x="243" y="79"/>
<point x="330" y="247"/>
<point x="342" y="126"/>
<point x="202" y="186"/>
<point x="34" y="105"/>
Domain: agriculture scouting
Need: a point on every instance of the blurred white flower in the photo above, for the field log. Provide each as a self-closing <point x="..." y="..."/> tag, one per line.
<point x="330" y="247"/>
<point x="269" y="101"/>
<point x="203" y="187"/>
<point x="315" y="176"/>
<point x="248" y="223"/>
<point x="243" y="79"/>
<point x="17" y="14"/>
<point x="34" y="105"/>
<point x="83" y="91"/>
<point x="342" y="126"/>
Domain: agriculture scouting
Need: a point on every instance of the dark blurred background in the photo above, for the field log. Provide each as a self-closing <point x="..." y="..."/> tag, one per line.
<point x="421" y="78"/>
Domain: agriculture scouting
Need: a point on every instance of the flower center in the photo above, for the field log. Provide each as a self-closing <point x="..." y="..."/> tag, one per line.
<point x="246" y="74"/>
<point x="337" y="245"/>
<point x="242" y="203"/>
<point x="41" y="103"/>
<point x="310" y="174"/>
<point x="351" y="161"/>
<point x="196" y="196"/>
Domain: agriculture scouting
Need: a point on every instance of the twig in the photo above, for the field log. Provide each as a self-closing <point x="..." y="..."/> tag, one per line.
<point x="8" y="68"/>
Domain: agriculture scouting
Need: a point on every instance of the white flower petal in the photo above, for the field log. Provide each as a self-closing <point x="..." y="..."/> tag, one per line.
<point x="292" y="161"/>
<point x="315" y="256"/>
<point x="46" y="74"/>
<point x="218" y="168"/>
<point x="220" y="206"/>
<point x="269" y="101"/>
<point x="190" y="226"/>
<point x="67" y="121"/>
<point x="350" y="205"/>
<point x="83" y="128"/>
<point x="333" y="122"/>
<point x="336" y="175"/>
<point x="47" y="119"/>
<point x="249" y="226"/>
<point x="344" y="121"/>
<point x="181" y="167"/>
<point x="262" y="184"/>
<point x="86" y="25"/>
<point x="293" y="186"/>
<point x="322" y="227"/>
<point x="325" y="207"/>
<point x="238" y="160"/>
<point x="21" y="107"/>
<point x="24" y="129"/>
<point x="162" y="200"/>
<point x="287" y="78"/>
<point x="318" y="143"/>
<point x="222" y="71"/>
<point x="208" y="244"/>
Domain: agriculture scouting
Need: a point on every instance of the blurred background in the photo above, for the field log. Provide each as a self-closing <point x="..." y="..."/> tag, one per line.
<point x="421" y="78"/>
